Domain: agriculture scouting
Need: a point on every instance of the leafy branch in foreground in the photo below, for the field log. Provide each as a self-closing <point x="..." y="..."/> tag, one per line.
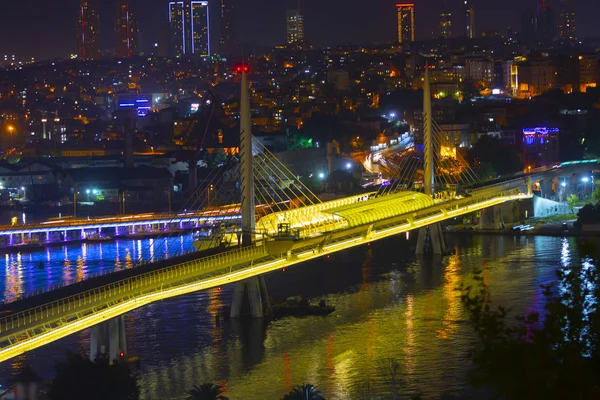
<point x="551" y="354"/>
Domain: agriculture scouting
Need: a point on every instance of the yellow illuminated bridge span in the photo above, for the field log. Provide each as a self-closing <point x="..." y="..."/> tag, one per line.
<point x="337" y="226"/>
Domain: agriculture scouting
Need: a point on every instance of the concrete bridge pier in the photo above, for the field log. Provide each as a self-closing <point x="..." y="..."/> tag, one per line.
<point x="109" y="338"/>
<point x="491" y="218"/>
<point x="250" y="298"/>
<point x="431" y="240"/>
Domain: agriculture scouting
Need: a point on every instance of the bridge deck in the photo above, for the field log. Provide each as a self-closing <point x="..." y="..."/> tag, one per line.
<point x="49" y="321"/>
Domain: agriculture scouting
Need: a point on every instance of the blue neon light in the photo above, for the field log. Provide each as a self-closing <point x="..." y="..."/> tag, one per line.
<point x="543" y="130"/>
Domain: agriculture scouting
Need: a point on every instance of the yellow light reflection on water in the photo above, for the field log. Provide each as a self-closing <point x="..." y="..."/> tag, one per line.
<point x="13" y="279"/>
<point x="118" y="264"/>
<point x="453" y="312"/>
<point x="66" y="266"/>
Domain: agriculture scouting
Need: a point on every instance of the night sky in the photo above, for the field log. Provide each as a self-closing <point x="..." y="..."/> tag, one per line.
<point x="42" y="28"/>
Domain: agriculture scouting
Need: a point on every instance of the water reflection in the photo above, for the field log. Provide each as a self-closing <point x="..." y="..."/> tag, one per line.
<point x="385" y="307"/>
<point x="13" y="283"/>
<point x="76" y="262"/>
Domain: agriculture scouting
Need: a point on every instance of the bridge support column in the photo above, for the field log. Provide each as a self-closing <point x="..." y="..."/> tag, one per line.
<point x="109" y="338"/>
<point x="431" y="240"/>
<point x="250" y="296"/>
<point x="491" y="219"/>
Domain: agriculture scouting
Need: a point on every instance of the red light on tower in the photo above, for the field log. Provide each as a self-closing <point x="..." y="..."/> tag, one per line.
<point x="242" y="68"/>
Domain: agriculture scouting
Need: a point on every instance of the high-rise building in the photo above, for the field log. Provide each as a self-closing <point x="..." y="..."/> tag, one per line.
<point x="227" y="41"/>
<point x="445" y="23"/>
<point x="546" y="28"/>
<point x="200" y="28"/>
<point x="126" y="30"/>
<point x="528" y="27"/>
<point x="190" y="28"/>
<point x="406" y="22"/>
<point x="469" y="19"/>
<point x="87" y="31"/>
<point x="566" y="23"/>
<point x="295" y="27"/>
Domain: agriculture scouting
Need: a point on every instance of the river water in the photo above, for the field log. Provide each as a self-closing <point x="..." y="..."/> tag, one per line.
<point x="389" y="305"/>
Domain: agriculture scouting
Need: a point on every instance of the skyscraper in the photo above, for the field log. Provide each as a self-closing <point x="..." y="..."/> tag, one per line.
<point x="200" y="28"/>
<point x="126" y="30"/>
<point x="190" y="28"/>
<point x="566" y="23"/>
<point x="406" y="22"/>
<point x="546" y="28"/>
<point x="528" y="27"/>
<point x="227" y="41"/>
<point x="87" y="31"/>
<point x="295" y="27"/>
<point x="469" y="19"/>
<point x="445" y="23"/>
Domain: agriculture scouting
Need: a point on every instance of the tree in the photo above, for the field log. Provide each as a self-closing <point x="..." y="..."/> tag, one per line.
<point x="389" y="370"/>
<point x="206" y="391"/>
<point x="469" y="90"/>
<point x="217" y="158"/>
<point x="572" y="200"/>
<point x="296" y="141"/>
<point x="79" y="378"/>
<point x="548" y="355"/>
<point x="596" y="195"/>
<point x="493" y="154"/>
<point x="306" y="391"/>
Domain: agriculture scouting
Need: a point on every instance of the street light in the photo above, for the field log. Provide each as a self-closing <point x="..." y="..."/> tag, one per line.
<point x="11" y="129"/>
<point x="585" y="180"/>
<point x="75" y="204"/>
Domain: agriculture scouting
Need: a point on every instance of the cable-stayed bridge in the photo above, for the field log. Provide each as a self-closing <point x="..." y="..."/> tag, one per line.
<point x="282" y="224"/>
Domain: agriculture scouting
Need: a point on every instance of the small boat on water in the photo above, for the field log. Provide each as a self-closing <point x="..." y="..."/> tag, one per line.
<point x="97" y="238"/>
<point x="30" y="245"/>
<point x="300" y="306"/>
<point x="143" y="234"/>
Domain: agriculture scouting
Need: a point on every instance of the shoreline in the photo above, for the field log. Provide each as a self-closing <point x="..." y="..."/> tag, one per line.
<point x="548" y="232"/>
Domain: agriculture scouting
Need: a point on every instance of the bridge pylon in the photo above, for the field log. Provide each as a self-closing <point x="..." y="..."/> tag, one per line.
<point x="109" y="338"/>
<point x="430" y="238"/>
<point x="250" y="292"/>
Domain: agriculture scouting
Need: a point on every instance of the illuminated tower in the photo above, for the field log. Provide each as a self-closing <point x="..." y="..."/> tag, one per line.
<point x="200" y="32"/>
<point x="190" y="29"/>
<point x="126" y="30"/>
<point x="227" y="41"/>
<point x="177" y="22"/>
<point x="87" y="31"/>
<point x="295" y="26"/>
<point x="445" y="23"/>
<point x="469" y="19"/>
<point x="566" y="22"/>
<point x="406" y="22"/>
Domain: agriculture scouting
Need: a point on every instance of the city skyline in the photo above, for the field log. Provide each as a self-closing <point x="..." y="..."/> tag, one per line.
<point x="263" y="23"/>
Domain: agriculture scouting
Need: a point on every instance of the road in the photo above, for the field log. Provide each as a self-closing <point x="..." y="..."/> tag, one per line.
<point x="371" y="161"/>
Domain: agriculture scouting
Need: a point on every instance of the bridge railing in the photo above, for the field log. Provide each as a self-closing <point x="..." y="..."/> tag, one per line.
<point x="38" y="319"/>
<point x="108" y="271"/>
<point x="125" y="289"/>
<point x="68" y="223"/>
